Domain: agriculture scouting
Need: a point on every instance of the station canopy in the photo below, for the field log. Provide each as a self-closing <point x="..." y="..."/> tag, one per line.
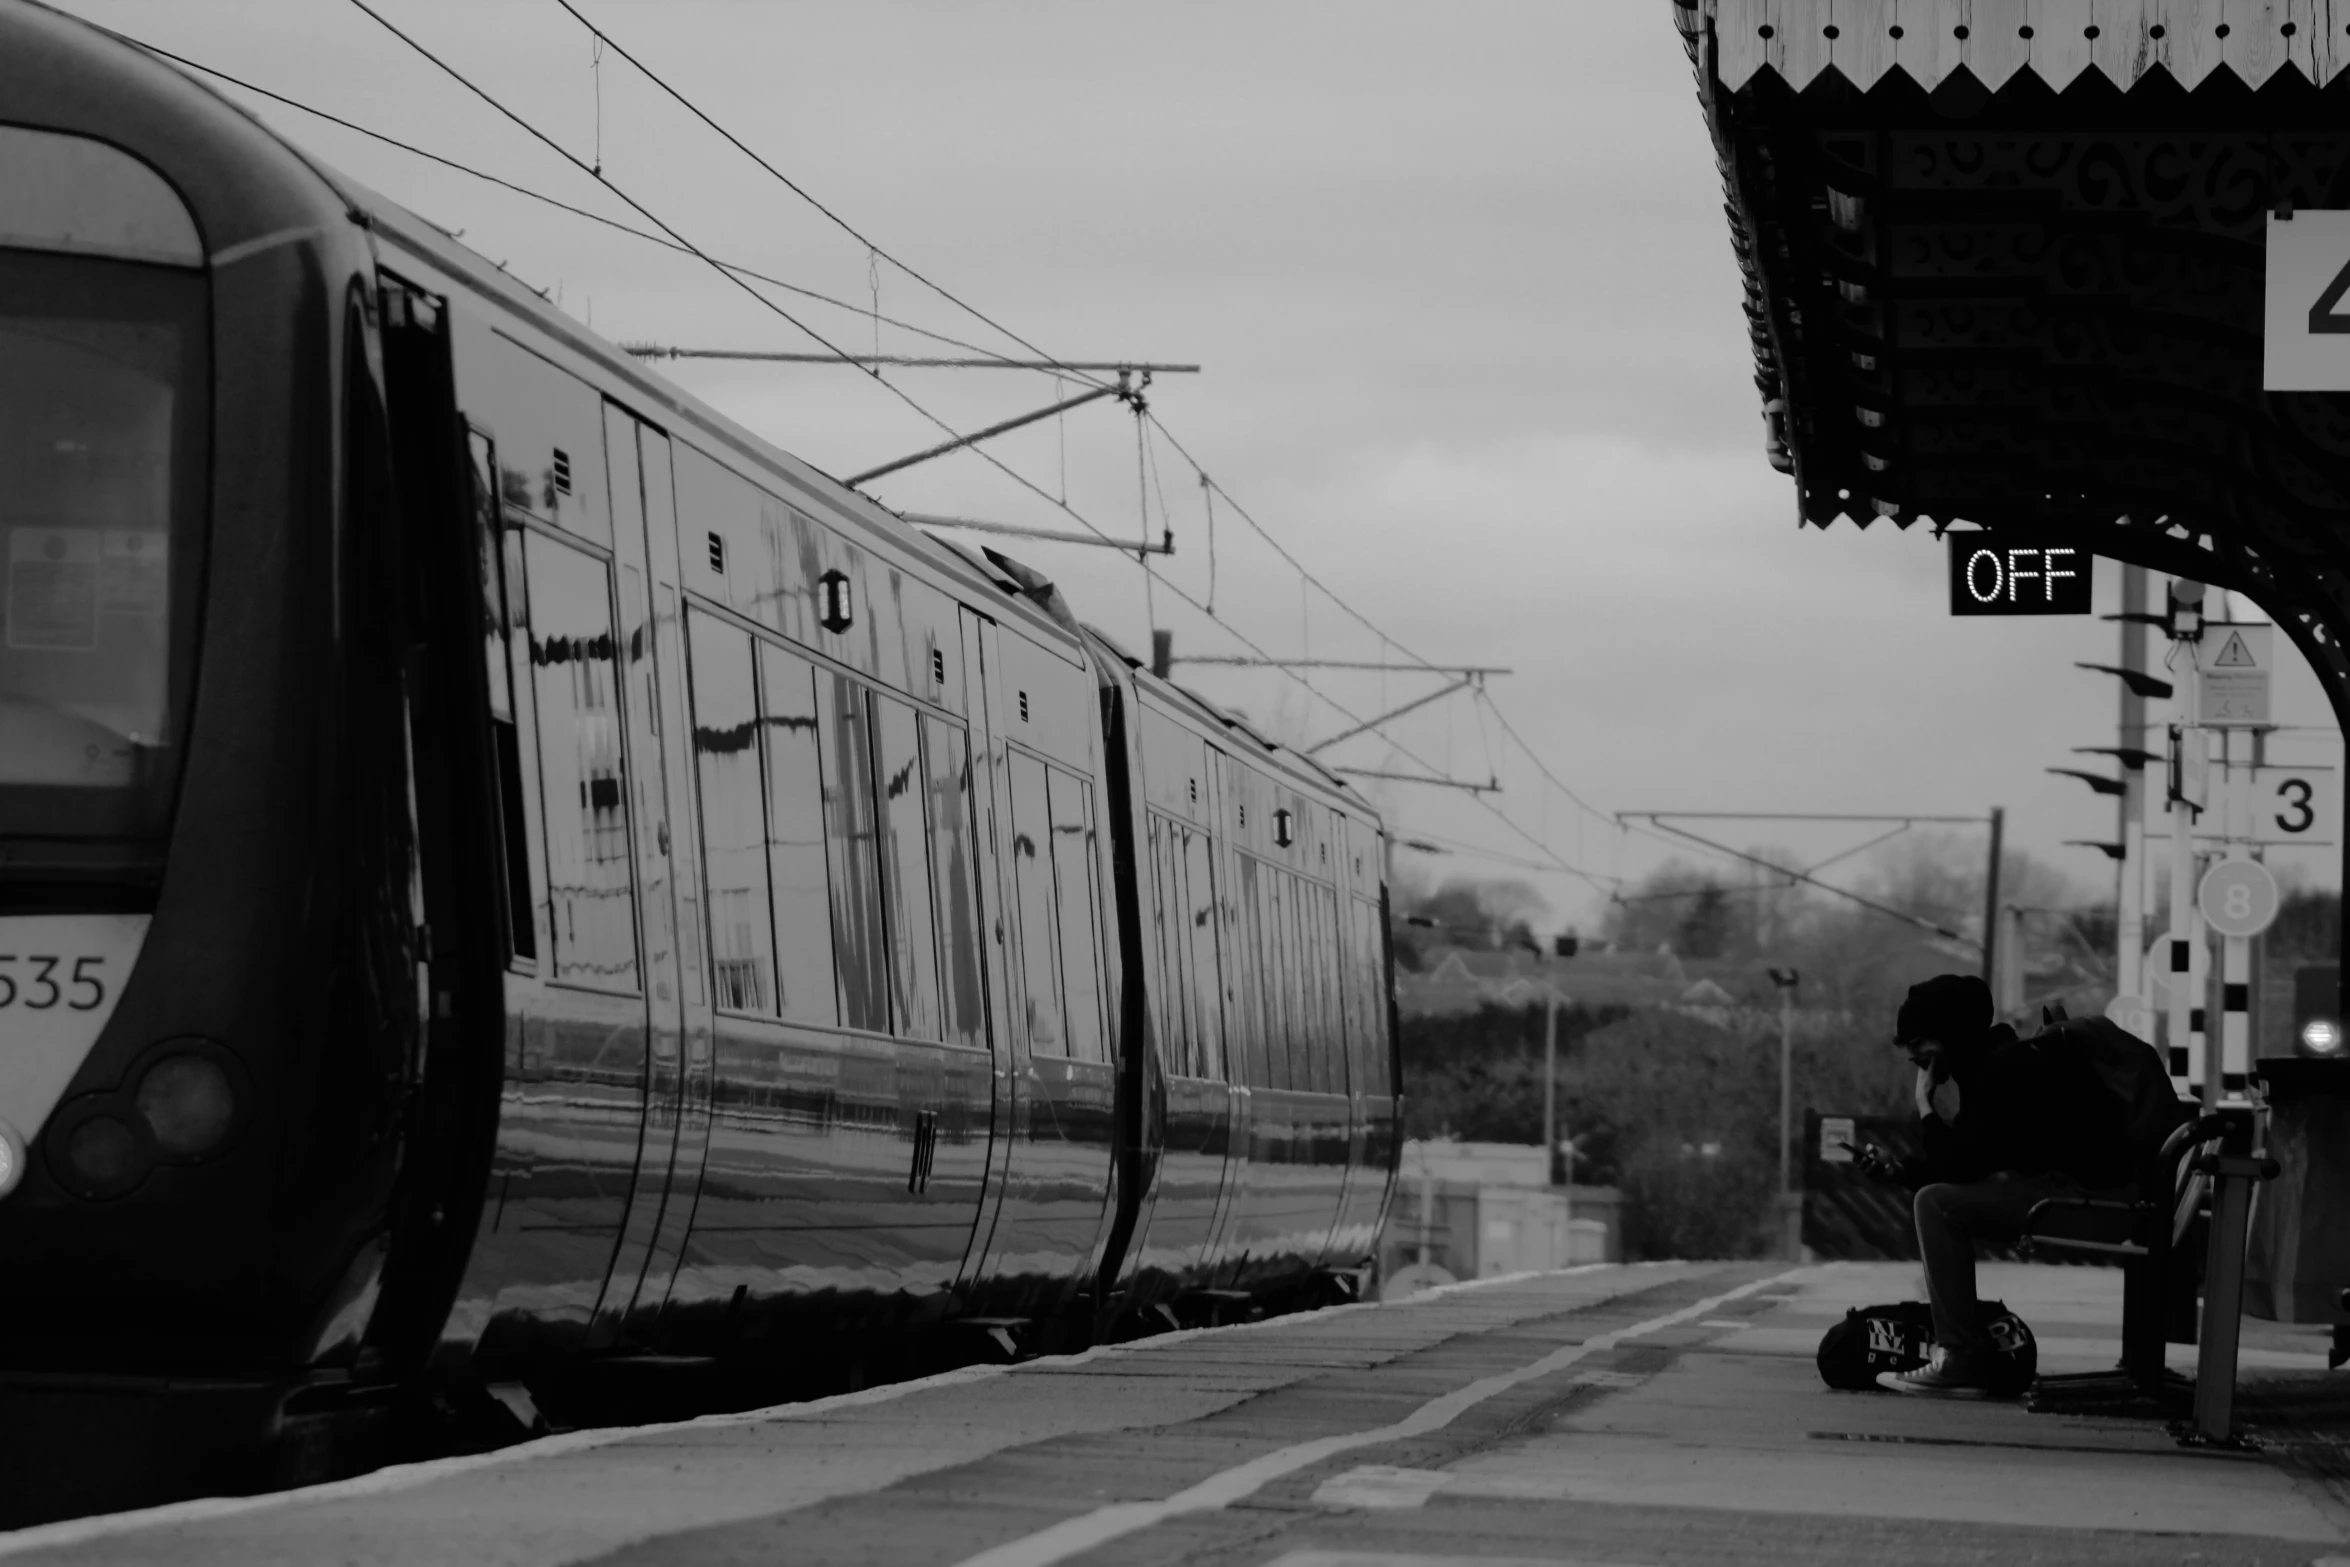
<point x="2004" y="265"/>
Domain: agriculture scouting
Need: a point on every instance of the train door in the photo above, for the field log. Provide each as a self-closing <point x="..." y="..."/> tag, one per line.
<point x="1370" y="1098"/>
<point x="1246" y="1167"/>
<point x="1052" y="1217"/>
<point x="1207" y="878"/>
<point x="681" y="1063"/>
<point x="1195" y="1167"/>
<point x="636" y="652"/>
<point x="985" y="770"/>
<point x="470" y="824"/>
<point x="572" y="1100"/>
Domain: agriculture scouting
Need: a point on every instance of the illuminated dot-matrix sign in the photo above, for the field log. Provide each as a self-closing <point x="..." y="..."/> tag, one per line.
<point x="1990" y="577"/>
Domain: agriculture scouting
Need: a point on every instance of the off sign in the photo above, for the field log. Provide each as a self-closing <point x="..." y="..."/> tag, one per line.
<point x="1990" y="578"/>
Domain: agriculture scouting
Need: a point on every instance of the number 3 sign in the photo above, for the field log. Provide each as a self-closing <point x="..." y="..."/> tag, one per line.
<point x="2238" y="897"/>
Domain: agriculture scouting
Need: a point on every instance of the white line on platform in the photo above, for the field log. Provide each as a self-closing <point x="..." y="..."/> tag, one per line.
<point x="404" y="1477"/>
<point x="1072" y="1536"/>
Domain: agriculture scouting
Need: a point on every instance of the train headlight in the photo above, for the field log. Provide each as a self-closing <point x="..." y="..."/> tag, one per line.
<point x="11" y="1158"/>
<point x="187" y="1104"/>
<point x="103" y="1155"/>
<point x="2321" y="1036"/>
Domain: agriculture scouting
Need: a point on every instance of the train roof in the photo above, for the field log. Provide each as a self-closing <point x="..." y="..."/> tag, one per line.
<point x="1217" y="723"/>
<point x="655" y="393"/>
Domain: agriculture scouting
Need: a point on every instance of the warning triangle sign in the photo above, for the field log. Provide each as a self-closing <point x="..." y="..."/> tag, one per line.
<point x="2235" y="655"/>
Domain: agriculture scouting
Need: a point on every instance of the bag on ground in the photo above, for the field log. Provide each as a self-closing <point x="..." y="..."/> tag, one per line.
<point x="1875" y="1339"/>
<point x="1872" y="1340"/>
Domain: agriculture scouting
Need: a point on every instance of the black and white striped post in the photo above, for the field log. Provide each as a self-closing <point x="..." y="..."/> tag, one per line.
<point x="2237" y="896"/>
<point x="2186" y="792"/>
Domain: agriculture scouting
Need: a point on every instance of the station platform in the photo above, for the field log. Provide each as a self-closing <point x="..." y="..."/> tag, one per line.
<point x="1658" y="1414"/>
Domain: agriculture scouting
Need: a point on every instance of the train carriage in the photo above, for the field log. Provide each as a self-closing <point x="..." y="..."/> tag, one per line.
<point x="502" y="869"/>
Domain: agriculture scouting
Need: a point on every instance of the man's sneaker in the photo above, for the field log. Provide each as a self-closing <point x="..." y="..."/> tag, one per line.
<point x="1942" y="1377"/>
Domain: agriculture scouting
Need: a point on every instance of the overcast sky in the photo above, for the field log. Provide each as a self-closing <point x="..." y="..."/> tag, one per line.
<point x="1473" y="353"/>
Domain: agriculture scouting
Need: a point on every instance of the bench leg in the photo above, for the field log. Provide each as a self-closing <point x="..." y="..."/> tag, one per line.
<point x="2223" y="1306"/>
<point x="2143" y="1303"/>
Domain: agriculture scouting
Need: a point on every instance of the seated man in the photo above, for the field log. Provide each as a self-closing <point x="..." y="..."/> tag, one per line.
<point x="2005" y="1126"/>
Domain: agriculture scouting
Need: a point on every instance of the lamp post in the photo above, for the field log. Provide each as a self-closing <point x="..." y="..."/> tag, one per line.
<point x="1790" y="1206"/>
<point x="1563" y="946"/>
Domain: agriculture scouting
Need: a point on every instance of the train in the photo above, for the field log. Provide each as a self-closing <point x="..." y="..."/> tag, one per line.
<point x="508" y="878"/>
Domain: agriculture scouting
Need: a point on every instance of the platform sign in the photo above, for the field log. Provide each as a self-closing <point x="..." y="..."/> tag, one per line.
<point x="1836" y="1133"/>
<point x="2238" y="897"/>
<point x="2305" y="317"/>
<point x="2294" y="805"/>
<point x="1988" y="577"/>
<point x="2235" y="660"/>
<point x="2290" y="806"/>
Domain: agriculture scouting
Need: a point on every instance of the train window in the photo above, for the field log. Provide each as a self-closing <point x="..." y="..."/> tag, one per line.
<point x="860" y="946"/>
<point x="1163" y="907"/>
<point x="1192" y="946"/>
<point x="1244" y="1052"/>
<point x="796" y="874"/>
<point x="1370" y="1031"/>
<point x="1308" y="1066"/>
<point x="734" y="816"/>
<point x="496" y="665"/>
<point x="1203" y="940"/>
<point x="498" y="673"/>
<point x="86" y="199"/>
<point x="1032" y="879"/>
<point x="1075" y="882"/>
<point x="905" y="870"/>
<point x="1348" y="991"/>
<point x="1312" y="1033"/>
<point x="1329" y="971"/>
<point x="591" y="888"/>
<point x="1264" y="940"/>
<point x="1306" y="983"/>
<point x="954" y="878"/>
<point x="1273" y="979"/>
<point x="102" y="443"/>
<point x="1296" y="989"/>
<point x="1253" y="975"/>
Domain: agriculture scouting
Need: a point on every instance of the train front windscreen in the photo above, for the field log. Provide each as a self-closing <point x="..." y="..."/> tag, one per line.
<point x="102" y="436"/>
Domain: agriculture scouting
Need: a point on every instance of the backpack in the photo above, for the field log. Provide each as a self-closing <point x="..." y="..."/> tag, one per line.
<point x="2131" y="1069"/>
<point x="1900" y="1337"/>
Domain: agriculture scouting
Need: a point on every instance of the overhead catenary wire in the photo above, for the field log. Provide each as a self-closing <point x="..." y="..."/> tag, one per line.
<point x="543" y="198"/>
<point x="677" y="241"/>
<point x="1215" y="489"/>
<point x="799" y="190"/>
<point x="699" y="254"/>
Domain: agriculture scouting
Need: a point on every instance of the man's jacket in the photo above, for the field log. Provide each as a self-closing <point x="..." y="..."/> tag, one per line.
<point x="2029" y="1111"/>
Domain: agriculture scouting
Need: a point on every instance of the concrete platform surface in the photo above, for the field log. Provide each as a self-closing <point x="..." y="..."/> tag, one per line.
<point x="1610" y="1415"/>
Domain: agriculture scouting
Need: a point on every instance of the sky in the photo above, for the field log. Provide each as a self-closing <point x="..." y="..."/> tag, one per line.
<point x="1463" y="296"/>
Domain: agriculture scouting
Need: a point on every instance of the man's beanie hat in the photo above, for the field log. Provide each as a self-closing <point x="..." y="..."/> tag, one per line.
<point x="1948" y="1007"/>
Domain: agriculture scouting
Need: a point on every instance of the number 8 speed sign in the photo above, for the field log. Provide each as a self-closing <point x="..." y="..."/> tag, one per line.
<point x="2238" y="897"/>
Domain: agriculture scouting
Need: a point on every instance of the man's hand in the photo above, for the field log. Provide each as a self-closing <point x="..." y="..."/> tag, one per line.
<point x="1877" y="1163"/>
